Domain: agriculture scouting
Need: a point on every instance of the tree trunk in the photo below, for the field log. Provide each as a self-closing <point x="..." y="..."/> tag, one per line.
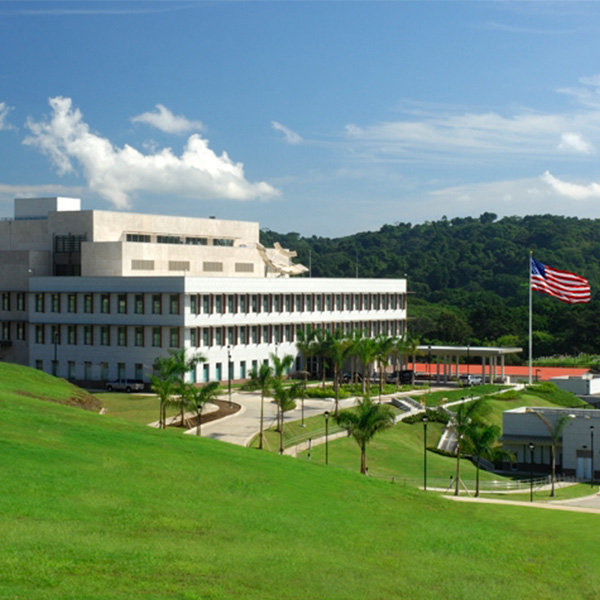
<point x="363" y="459"/>
<point x="477" y="479"/>
<point x="457" y="468"/>
<point x="553" y="475"/>
<point x="199" y="423"/>
<point x="262" y="412"/>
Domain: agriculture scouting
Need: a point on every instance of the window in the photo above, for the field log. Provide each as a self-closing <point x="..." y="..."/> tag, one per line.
<point x="104" y="371"/>
<point x="68" y="243"/>
<point x="348" y="301"/>
<point x="309" y="303"/>
<point x="206" y="304"/>
<point x="39" y="365"/>
<point x="105" y="303"/>
<point x="71" y="369"/>
<point x="230" y="304"/>
<point x="88" y="303"/>
<point x="218" y="303"/>
<point x="5" y="300"/>
<point x="299" y="303"/>
<point x="254" y="331"/>
<point x="255" y="365"/>
<point x="319" y="302"/>
<point x="105" y="335"/>
<point x="139" y="371"/>
<point x="168" y="239"/>
<point x="87" y="370"/>
<point x="265" y="303"/>
<point x="242" y="303"/>
<point x="338" y="302"/>
<point x="230" y="336"/>
<point x="277" y="303"/>
<point x="219" y="368"/>
<point x="288" y="303"/>
<point x="196" y="241"/>
<point x="206" y="336"/>
<point x="243" y="335"/>
<point x="384" y="301"/>
<point x="121" y="336"/>
<point x="328" y="301"/>
<point x="121" y="370"/>
<point x="222" y="242"/>
<point x="156" y="304"/>
<point x="194" y="304"/>
<point x="243" y="369"/>
<point x="156" y="337"/>
<point x="138" y="237"/>
<point x="375" y="301"/>
<point x="277" y="333"/>
<point x="55" y="334"/>
<point x="122" y="304"/>
<point x="194" y="337"/>
<point x="20" y="331"/>
<point x="72" y="334"/>
<point x="174" y="337"/>
<point x="39" y="303"/>
<point x="139" y="336"/>
<point x="72" y="303"/>
<point x="5" y="331"/>
<point x="20" y="300"/>
<point x="218" y="336"/>
<point x="55" y="303"/>
<point x="266" y="338"/>
<point x="206" y="372"/>
<point x="54" y="364"/>
<point x="174" y="304"/>
<point x="288" y="333"/>
<point x="254" y="303"/>
<point x="88" y="337"/>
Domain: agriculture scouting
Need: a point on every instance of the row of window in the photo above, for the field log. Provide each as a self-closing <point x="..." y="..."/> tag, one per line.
<point x="178" y="239"/>
<point x="103" y="371"/>
<point x="123" y="304"/>
<point x="204" y="303"/>
<point x="141" y="336"/>
<point x="269" y="303"/>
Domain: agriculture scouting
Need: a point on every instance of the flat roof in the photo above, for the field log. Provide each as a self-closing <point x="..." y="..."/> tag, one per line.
<point x="467" y="350"/>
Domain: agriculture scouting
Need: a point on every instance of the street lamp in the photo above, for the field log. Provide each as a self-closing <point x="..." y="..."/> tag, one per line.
<point x="229" y="372"/>
<point x="326" y="415"/>
<point x="425" y="452"/>
<point x="592" y="447"/>
<point x="309" y="447"/>
<point x="531" y="447"/>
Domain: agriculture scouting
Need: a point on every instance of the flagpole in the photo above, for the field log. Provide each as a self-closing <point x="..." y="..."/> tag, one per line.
<point x="530" y="320"/>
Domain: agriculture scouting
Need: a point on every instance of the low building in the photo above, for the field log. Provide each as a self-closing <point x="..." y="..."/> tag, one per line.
<point x="576" y="452"/>
<point x="97" y="295"/>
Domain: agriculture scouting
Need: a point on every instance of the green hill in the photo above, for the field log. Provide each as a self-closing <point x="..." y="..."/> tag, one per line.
<point x="93" y="507"/>
<point x="468" y="277"/>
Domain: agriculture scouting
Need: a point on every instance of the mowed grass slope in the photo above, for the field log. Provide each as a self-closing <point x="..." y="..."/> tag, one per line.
<point x="92" y="507"/>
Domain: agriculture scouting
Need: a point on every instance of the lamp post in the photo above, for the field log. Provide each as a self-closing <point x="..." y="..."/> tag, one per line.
<point x="429" y="368"/>
<point x="425" y="452"/>
<point x="592" y="447"/>
<point x="229" y="372"/>
<point x="531" y="447"/>
<point x="326" y="415"/>
<point x="303" y="424"/>
<point x="309" y="447"/>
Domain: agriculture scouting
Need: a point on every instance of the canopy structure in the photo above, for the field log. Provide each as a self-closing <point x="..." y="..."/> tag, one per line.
<point x="448" y="367"/>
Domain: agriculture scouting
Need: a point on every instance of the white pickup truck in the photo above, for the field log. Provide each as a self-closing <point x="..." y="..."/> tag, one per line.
<point x="125" y="385"/>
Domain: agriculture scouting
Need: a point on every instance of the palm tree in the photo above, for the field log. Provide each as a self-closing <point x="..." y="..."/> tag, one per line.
<point x="198" y="397"/>
<point x="384" y="348"/>
<point x="366" y="351"/>
<point x="362" y="422"/>
<point x="555" y="434"/>
<point x="164" y="385"/>
<point x="466" y="414"/>
<point x="479" y="440"/>
<point x="305" y="344"/>
<point x="181" y="364"/>
<point x="337" y="349"/>
<point x="285" y="399"/>
<point x="260" y="379"/>
<point x="281" y="365"/>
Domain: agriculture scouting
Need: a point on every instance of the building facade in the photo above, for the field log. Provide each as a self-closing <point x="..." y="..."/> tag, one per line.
<point x="97" y="295"/>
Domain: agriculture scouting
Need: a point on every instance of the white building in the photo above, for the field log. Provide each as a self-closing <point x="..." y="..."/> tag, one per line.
<point x="96" y="295"/>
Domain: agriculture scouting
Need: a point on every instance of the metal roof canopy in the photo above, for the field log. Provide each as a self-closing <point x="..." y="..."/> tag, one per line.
<point x="469" y="351"/>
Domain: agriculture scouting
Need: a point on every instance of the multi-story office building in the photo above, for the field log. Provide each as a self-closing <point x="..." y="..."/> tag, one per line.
<point x="96" y="295"/>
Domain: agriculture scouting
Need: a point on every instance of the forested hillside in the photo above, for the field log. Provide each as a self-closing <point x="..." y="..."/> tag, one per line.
<point x="468" y="277"/>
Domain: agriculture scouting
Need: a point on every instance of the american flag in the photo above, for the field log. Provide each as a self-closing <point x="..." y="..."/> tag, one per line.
<point x="563" y="285"/>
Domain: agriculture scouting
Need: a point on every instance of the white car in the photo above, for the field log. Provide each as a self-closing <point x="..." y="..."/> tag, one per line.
<point x="468" y="380"/>
<point x="125" y="385"/>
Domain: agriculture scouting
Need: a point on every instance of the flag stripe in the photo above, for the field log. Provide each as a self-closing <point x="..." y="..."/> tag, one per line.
<point x="566" y="286"/>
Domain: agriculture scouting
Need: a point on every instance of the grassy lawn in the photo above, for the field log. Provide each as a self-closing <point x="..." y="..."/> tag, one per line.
<point x="443" y="396"/>
<point x="96" y="508"/>
<point x="137" y="408"/>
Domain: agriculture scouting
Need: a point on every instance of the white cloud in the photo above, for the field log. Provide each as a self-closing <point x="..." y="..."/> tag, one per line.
<point x="4" y="110"/>
<point x="166" y="121"/>
<point x="291" y="137"/>
<point x="574" y="191"/>
<point x="117" y="173"/>
<point x="574" y="142"/>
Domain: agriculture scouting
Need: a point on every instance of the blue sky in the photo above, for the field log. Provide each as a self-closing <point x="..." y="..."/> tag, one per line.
<point x="324" y="118"/>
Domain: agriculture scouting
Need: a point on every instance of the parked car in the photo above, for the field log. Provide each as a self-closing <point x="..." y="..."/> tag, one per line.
<point x="125" y="385"/>
<point x="351" y="377"/>
<point x="405" y="376"/>
<point x="468" y="380"/>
